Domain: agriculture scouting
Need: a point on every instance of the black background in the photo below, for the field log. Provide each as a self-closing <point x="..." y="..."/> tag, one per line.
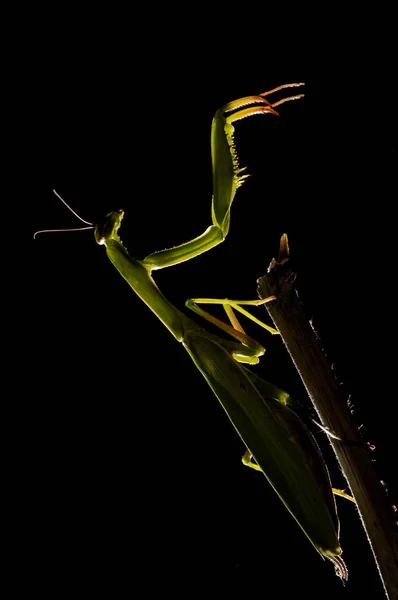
<point x="130" y="471"/>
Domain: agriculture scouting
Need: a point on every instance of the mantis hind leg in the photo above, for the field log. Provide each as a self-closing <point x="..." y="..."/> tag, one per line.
<point x="247" y="460"/>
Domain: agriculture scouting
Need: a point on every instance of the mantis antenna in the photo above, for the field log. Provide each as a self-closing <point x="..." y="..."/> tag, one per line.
<point x="72" y="211"/>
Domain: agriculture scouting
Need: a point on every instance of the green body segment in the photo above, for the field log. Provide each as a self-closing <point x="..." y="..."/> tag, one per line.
<point x="280" y="443"/>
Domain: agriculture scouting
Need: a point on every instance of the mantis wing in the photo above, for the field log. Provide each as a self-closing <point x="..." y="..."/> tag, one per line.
<point x="278" y="440"/>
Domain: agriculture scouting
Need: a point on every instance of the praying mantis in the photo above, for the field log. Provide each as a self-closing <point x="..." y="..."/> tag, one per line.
<point x="277" y="441"/>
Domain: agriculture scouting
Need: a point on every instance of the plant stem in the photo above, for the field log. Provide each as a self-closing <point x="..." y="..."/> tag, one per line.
<point x="331" y="406"/>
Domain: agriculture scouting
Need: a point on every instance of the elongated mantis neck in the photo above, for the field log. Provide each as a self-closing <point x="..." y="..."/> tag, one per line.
<point x="138" y="276"/>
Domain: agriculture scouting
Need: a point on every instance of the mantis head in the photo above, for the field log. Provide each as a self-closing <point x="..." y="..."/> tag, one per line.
<point x="109" y="227"/>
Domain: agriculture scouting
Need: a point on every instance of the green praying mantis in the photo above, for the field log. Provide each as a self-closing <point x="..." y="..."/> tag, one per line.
<point x="277" y="441"/>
